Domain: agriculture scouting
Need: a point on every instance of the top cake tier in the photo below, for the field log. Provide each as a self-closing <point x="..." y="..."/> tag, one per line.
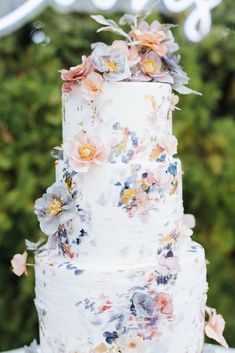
<point x="128" y="117"/>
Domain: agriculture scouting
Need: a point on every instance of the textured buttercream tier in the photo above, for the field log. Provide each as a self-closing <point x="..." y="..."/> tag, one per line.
<point x="91" y="308"/>
<point x="121" y="217"/>
<point x="142" y="108"/>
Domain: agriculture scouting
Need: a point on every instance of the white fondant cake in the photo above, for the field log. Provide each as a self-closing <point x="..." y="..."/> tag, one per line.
<point x="121" y="274"/>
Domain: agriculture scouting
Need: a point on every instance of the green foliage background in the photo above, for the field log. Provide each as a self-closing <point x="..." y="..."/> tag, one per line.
<point x="30" y="125"/>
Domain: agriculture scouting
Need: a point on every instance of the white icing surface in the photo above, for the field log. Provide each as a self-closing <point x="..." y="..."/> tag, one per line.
<point x="75" y="310"/>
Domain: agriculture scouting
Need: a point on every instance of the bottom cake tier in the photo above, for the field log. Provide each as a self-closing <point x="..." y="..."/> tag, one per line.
<point x="85" y="308"/>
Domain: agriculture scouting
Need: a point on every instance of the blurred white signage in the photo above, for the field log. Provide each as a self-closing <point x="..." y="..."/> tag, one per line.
<point x="15" y="13"/>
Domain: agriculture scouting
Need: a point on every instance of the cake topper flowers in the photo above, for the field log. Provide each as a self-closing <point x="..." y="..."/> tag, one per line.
<point x="147" y="53"/>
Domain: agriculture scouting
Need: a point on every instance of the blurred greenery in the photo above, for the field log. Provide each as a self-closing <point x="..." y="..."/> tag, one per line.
<point x="30" y="125"/>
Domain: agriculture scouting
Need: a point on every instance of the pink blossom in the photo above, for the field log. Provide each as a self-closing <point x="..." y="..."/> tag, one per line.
<point x="159" y="177"/>
<point x="214" y="327"/>
<point x="91" y="85"/>
<point x="164" y="303"/>
<point x="151" y="37"/>
<point x="18" y="263"/>
<point x="168" y="265"/>
<point x="130" y="52"/>
<point x="82" y="151"/>
<point x="168" y="144"/>
<point x="74" y="74"/>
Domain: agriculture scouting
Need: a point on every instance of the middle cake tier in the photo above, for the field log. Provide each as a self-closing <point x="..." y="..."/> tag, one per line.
<point x="124" y="213"/>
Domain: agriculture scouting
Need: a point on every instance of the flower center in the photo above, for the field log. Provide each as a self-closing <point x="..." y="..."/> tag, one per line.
<point x="55" y="207"/>
<point x="150" y="66"/>
<point x="87" y="152"/>
<point x="112" y="66"/>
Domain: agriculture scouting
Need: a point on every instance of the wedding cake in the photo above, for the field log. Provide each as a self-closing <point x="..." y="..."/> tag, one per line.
<point x="120" y="272"/>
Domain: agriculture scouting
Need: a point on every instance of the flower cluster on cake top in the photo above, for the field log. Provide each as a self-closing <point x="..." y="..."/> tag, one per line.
<point x="146" y="54"/>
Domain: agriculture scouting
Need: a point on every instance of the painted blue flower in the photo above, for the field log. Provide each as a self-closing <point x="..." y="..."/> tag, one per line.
<point x="144" y="304"/>
<point x="111" y="62"/>
<point x="54" y="208"/>
<point x="110" y="337"/>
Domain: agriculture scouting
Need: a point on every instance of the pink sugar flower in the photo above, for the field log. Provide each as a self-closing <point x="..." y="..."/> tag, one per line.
<point x="168" y="265"/>
<point x="164" y="303"/>
<point x="151" y="37"/>
<point x="168" y="144"/>
<point x="130" y="52"/>
<point x="91" y="85"/>
<point x="214" y="327"/>
<point x="74" y="74"/>
<point x="18" y="263"/>
<point x="82" y="151"/>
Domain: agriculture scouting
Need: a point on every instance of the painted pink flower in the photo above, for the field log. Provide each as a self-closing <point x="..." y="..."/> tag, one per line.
<point x="82" y="151"/>
<point x="151" y="37"/>
<point x="159" y="177"/>
<point x="130" y="52"/>
<point x="214" y="327"/>
<point x="168" y="144"/>
<point x="74" y="74"/>
<point x="91" y="85"/>
<point x="164" y="303"/>
<point x="168" y="265"/>
<point x="18" y="263"/>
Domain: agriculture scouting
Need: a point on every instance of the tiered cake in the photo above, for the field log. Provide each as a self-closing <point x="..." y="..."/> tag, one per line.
<point x="133" y="281"/>
<point x="120" y="273"/>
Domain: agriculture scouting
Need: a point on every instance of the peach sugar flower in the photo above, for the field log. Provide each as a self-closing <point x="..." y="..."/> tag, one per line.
<point x="215" y="327"/>
<point x="164" y="303"/>
<point x="151" y="37"/>
<point x="82" y="151"/>
<point x="18" y="264"/>
<point x="91" y="85"/>
<point x="77" y="73"/>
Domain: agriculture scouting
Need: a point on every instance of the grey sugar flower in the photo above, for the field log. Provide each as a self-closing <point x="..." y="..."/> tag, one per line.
<point x="111" y="62"/>
<point x="32" y="348"/>
<point x="54" y="208"/>
<point x="144" y="304"/>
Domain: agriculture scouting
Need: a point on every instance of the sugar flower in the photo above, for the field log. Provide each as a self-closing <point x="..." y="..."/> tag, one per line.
<point x="144" y="304"/>
<point x="111" y="62"/>
<point x="82" y="151"/>
<point x="54" y="208"/>
<point x="214" y="327"/>
<point x="164" y="303"/>
<point x="18" y="263"/>
<point x="174" y="102"/>
<point x="189" y="220"/>
<point x="151" y="63"/>
<point x="167" y="143"/>
<point x="131" y="344"/>
<point x="168" y="266"/>
<point x="91" y="85"/>
<point x="130" y="52"/>
<point x="77" y="73"/>
<point x="150" y="36"/>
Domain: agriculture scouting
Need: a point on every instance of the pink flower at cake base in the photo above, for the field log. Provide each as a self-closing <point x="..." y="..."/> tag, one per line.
<point x="18" y="264"/>
<point x="168" y="266"/>
<point x="215" y="327"/>
<point x="77" y="73"/>
<point x="82" y="151"/>
<point x="91" y="85"/>
<point x="164" y="303"/>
